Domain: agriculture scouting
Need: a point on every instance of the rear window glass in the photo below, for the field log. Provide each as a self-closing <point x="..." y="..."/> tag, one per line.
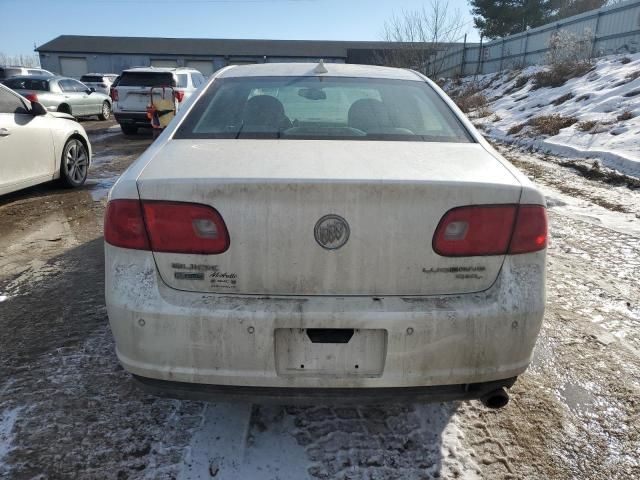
<point x="91" y="78"/>
<point x="323" y="108"/>
<point x="9" y="72"/>
<point x="27" y="84"/>
<point x="183" y="80"/>
<point x="146" y="79"/>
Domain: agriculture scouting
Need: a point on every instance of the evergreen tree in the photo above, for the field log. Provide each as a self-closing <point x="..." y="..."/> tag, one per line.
<point x="500" y="18"/>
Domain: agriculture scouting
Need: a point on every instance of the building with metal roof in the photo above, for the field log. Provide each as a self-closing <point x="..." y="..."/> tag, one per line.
<point x="75" y="55"/>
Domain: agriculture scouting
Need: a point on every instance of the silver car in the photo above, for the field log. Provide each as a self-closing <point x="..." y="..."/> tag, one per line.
<point x="62" y="94"/>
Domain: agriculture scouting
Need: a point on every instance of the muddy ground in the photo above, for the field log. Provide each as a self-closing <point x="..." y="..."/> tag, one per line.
<point x="68" y="410"/>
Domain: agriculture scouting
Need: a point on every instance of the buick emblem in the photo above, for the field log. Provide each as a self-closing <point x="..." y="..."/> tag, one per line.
<point x="331" y="232"/>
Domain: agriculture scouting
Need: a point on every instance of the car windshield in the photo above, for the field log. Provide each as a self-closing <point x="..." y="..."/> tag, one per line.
<point x="146" y="79"/>
<point x="28" y="84"/>
<point x="91" y="78"/>
<point x="323" y="108"/>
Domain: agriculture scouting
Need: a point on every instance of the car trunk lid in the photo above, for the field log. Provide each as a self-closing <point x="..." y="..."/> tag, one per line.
<point x="273" y="194"/>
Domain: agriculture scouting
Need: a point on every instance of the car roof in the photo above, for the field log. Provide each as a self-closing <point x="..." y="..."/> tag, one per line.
<point x="34" y="77"/>
<point x="100" y="75"/>
<point x="159" y="69"/>
<point x="315" y="69"/>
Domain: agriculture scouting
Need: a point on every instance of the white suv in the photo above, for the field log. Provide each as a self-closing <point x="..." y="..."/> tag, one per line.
<point x="131" y="95"/>
<point x="100" y="82"/>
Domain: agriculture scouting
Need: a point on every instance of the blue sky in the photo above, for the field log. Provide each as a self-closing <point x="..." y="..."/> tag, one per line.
<point x="39" y="21"/>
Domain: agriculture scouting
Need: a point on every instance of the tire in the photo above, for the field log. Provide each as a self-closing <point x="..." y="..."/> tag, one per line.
<point x="129" y="129"/>
<point x="64" y="109"/>
<point x="106" y="111"/>
<point x="74" y="166"/>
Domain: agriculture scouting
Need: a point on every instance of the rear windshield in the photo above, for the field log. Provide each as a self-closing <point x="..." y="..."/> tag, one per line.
<point x="91" y="78"/>
<point x="322" y="108"/>
<point x="146" y="79"/>
<point x="9" y="72"/>
<point x="27" y="84"/>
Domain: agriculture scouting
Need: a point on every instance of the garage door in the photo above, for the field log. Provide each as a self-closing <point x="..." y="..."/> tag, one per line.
<point x="73" y="66"/>
<point x="205" y="67"/>
<point x="164" y="63"/>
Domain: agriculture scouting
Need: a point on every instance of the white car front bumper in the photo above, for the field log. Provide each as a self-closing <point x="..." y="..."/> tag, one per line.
<point x="229" y="340"/>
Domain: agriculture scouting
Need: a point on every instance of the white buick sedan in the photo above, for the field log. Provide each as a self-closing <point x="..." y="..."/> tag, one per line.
<point x="325" y="232"/>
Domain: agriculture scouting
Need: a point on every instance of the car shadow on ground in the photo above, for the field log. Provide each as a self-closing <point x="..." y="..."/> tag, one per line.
<point x="78" y="414"/>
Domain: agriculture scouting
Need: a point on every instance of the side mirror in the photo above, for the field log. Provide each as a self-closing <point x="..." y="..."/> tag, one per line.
<point x="37" y="109"/>
<point x="91" y="90"/>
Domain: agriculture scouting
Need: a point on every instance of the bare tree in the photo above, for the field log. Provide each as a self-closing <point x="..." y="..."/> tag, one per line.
<point x="419" y="34"/>
<point x="30" y="60"/>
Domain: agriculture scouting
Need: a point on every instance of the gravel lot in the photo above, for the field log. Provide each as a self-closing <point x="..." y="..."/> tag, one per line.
<point x="68" y="410"/>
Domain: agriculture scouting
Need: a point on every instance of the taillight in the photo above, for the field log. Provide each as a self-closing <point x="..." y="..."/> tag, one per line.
<point x="179" y="95"/>
<point x="32" y="97"/>
<point x="173" y="227"/>
<point x="113" y="93"/>
<point x="481" y="230"/>
<point x="124" y="225"/>
<point x="530" y="232"/>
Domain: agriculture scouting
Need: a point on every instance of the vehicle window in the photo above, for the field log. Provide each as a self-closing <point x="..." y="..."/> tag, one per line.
<point x="78" y="86"/>
<point x="323" y="108"/>
<point x="9" y="72"/>
<point x="183" y="80"/>
<point x="66" y="85"/>
<point x="91" y="78"/>
<point x="22" y="83"/>
<point x="146" y="79"/>
<point x="198" y="79"/>
<point x="10" y="103"/>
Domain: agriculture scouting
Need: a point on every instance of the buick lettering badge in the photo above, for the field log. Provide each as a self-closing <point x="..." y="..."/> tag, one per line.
<point x="331" y="232"/>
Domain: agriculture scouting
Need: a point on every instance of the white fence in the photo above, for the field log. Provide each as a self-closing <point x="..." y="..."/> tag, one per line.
<point x="614" y="29"/>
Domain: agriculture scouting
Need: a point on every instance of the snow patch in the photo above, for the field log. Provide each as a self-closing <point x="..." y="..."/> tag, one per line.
<point x="605" y="102"/>
<point x="7" y="421"/>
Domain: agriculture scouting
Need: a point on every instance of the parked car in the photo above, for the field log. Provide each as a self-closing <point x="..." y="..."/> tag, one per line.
<point x="7" y="72"/>
<point x="100" y="82"/>
<point x="132" y="95"/>
<point x="329" y="231"/>
<point x="37" y="146"/>
<point x="62" y="94"/>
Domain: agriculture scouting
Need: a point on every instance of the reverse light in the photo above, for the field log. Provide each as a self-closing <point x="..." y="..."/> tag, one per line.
<point x="172" y="227"/>
<point x="481" y="230"/>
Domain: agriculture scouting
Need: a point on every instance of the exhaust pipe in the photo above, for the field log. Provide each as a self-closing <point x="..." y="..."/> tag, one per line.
<point x="496" y="399"/>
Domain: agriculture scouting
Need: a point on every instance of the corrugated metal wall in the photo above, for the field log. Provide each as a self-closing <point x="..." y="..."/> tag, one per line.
<point x="614" y="29"/>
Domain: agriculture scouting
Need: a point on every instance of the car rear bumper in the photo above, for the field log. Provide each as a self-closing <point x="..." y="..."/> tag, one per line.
<point x="229" y="340"/>
<point x="293" y="396"/>
<point x="135" y="119"/>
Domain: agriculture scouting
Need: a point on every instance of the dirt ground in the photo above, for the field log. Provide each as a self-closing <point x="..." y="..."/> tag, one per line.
<point x="68" y="410"/>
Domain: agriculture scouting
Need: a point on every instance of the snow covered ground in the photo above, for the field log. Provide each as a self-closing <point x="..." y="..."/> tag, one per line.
<point x="605" y="102"/>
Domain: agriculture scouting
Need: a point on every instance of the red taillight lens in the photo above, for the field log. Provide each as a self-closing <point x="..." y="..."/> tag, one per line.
<point x="173" y="227"/>
<point x="481" y="230"/>
<point x="185" y="228"/>
<point x="476" y="230"/>
<point x="530" y="232"/>
<point x="32" y="97"/>
<point x="113" y="93"/>
<point x="179" y="95"/>
<point x="124" y="225"/>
